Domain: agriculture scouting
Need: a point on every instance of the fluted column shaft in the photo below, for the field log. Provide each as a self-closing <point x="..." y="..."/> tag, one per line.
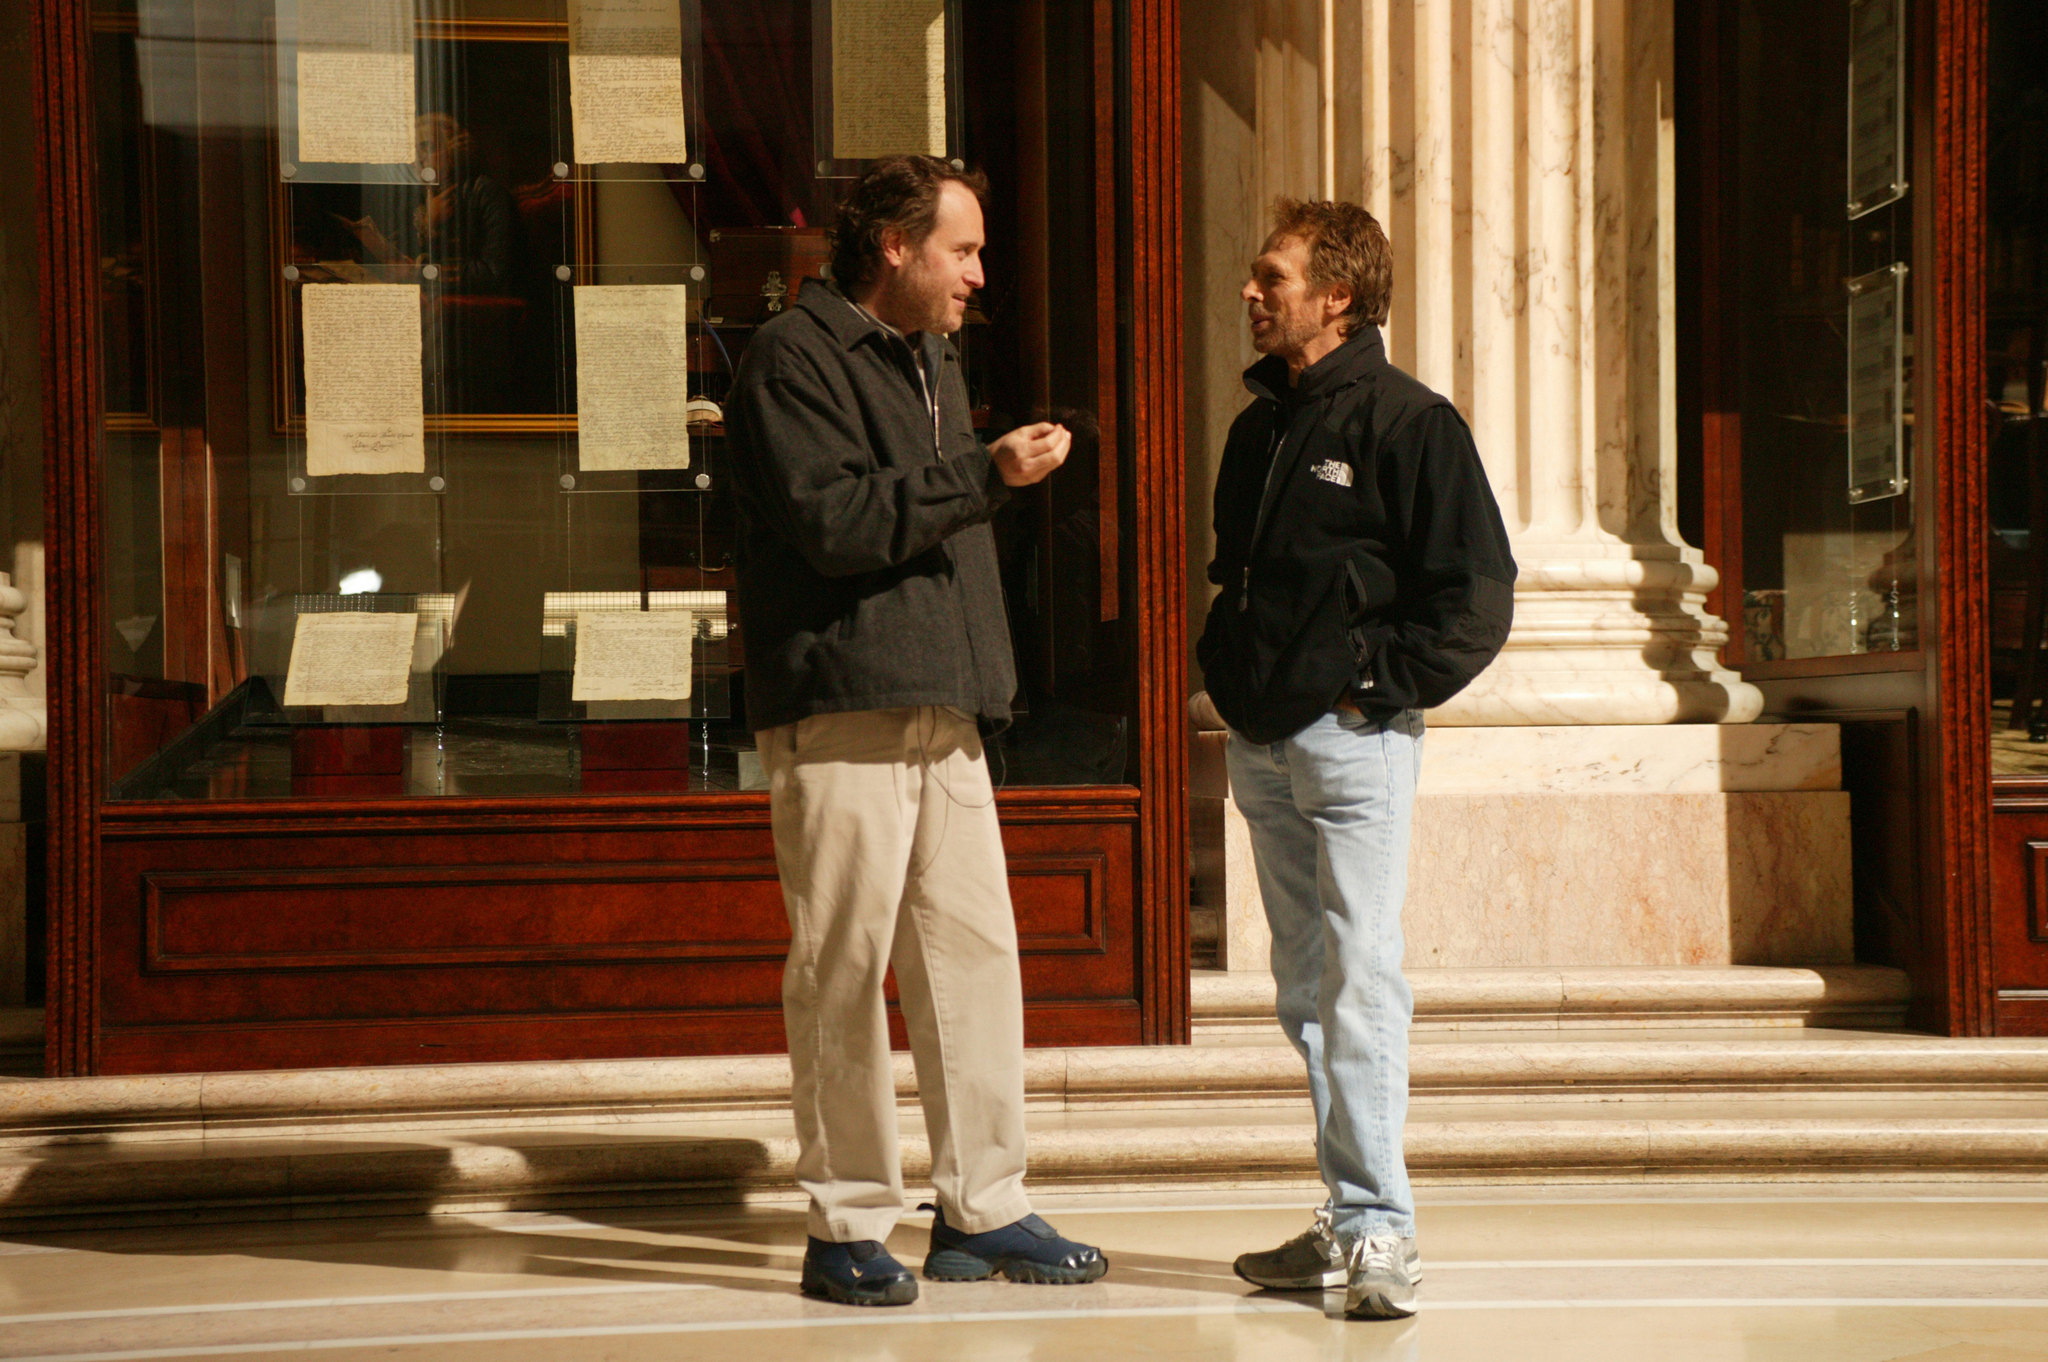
<point x="1520" y="153"/>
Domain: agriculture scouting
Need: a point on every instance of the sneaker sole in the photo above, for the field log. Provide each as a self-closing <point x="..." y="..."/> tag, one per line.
<point x="1378" y="1305"/>
<point x="1329" y="1281"/>
<point x="951" y="1265"/>
<point x="1321" y="1282"/>
<point x="896" y="1293"/>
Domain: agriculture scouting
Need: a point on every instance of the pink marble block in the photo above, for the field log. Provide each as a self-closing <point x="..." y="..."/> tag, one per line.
<point x="1747" y="878"/>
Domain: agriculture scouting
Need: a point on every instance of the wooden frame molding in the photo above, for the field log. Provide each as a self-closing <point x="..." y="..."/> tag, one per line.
<point x="1961" y="622"/>
<point x="67" y="240"/>
<point x="1160" y="598"/>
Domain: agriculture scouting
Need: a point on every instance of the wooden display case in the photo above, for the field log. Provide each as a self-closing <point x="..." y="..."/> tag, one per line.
<point x="210" y="909"/>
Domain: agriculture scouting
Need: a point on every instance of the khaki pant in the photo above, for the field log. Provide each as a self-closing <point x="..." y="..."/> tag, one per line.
<point x="889" y="851"/>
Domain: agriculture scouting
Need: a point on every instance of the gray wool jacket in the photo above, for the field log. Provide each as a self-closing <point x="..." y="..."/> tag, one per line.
<point x="867" y="570"/>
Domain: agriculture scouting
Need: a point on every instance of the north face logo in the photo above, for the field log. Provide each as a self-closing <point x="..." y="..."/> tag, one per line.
<point x="1330" y="470"/>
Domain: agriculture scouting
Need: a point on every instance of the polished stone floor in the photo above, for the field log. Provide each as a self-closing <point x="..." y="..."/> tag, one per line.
<point x="1850" y="1272"/>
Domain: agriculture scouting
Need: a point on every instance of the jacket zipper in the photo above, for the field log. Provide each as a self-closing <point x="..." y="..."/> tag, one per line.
<point x="1244" y="590"/>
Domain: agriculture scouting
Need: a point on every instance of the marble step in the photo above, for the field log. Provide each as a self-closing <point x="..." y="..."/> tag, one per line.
<point x="483" y="1167"/>
<point x="1227" y="1004"/>
<point x="1583" y="1067"/>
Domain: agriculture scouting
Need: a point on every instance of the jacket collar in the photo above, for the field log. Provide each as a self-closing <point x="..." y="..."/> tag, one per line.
<point x="845" y="323"/>
<point x="1341" y="368"/>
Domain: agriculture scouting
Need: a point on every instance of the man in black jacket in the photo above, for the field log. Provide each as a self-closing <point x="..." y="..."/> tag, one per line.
<point x="1366" y="577"/>
<point x="875" y="644"/>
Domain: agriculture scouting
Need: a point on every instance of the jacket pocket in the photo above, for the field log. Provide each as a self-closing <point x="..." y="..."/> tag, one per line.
<point x="1358" y="604"/>
<point x="1357" y="596"/>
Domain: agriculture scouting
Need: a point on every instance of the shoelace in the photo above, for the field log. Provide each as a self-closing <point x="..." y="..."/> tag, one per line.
<point x="1378" y="1253"/>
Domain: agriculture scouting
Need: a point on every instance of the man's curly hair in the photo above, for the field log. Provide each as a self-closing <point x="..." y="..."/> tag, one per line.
<point x="899" y="193"/>
<point x="1345" y="246"/>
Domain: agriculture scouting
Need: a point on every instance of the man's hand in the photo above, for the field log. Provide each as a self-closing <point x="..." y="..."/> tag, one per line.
<point x="376" y="246"/>
<point x="1028" y="453"/>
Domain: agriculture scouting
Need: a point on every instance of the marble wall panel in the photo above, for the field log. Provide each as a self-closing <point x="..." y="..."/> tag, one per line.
<point x="1526" y="880"/>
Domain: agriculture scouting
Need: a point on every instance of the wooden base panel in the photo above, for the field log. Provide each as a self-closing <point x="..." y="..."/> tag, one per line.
<point x="477" y="1040"/>
<point x="279" y="940"/>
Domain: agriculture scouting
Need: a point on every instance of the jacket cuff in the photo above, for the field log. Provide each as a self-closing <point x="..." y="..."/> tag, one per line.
<point x="1370" y="680"/>
<point x="981" y="470"/>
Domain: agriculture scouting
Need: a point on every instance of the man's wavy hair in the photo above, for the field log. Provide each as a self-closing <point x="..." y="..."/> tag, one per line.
<point x="1345" y="246"/>
<point x="899" y="193"/>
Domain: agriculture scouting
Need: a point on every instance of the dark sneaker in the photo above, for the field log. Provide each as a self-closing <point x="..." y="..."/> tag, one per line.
<point x="859" y="1273"/>
<point x="1379" y="1286"/>
<point x="1311" y="1261"/>
<point x="1027" y="1250"/>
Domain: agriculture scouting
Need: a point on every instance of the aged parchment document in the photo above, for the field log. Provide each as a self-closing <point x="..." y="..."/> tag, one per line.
<point x="888" y="78"/>
<point x="633" y="655"/>
<point x="632" y="377"/>
<point x="364" y="412"/>
<point x="355" y="72"/>
<point x="350" y="657"/>
<point x="626" y="81"/>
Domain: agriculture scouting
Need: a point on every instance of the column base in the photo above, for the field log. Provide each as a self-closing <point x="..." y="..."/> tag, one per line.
<point x="1594" y="846"/>
<point x="1504" y="698"/>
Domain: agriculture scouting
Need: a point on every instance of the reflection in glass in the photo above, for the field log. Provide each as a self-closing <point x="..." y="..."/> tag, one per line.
<point x="2015" y="353"/>
<point x="1827" y="563"/>
<point x="219" y="534"/>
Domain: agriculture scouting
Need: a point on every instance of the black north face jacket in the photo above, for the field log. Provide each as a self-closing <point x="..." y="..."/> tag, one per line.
<point x="1371" y="563"/>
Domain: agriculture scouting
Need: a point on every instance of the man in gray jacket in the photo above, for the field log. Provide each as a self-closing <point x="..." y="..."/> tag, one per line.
<point x="876" y="647"/>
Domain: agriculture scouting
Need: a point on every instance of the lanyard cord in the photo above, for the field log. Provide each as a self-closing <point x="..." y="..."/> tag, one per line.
<point x="924" y="385"/>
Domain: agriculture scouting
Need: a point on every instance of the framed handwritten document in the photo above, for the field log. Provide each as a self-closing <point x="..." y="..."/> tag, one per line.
<point x="363" y="405"/>
<point x="632" y="376"/>
<point x="351" y="658"/>
<point x="633" y="655"/>
<point x="626" y="81"/>
<point x="354" y="82"/>
<point x="883" y="80"/>
<point x="636" y="656"/>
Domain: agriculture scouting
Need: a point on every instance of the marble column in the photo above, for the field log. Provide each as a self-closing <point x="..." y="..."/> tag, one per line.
<point x="1521" y="157"/>
<point x="23" y="727"/>
<point x="1599" y="795"/>
<point x="23" y="718"/>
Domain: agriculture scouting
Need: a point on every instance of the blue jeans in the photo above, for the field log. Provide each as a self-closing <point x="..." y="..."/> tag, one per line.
<point x="1329" y="811"/>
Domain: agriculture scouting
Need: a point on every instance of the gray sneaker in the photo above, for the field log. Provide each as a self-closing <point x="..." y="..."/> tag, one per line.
<point x="1311" y="1261"/>
<point x="1380" y="1285"/>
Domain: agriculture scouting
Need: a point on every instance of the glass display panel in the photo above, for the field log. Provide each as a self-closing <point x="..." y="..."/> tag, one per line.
<point x="2016" y="374"/>
<point x="1877" y="105"/>
<point x="1825" y="317"/>
<point x="314" y="674"/>
<point x="431" y="307"/>
<point x="1877" y="425"/>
